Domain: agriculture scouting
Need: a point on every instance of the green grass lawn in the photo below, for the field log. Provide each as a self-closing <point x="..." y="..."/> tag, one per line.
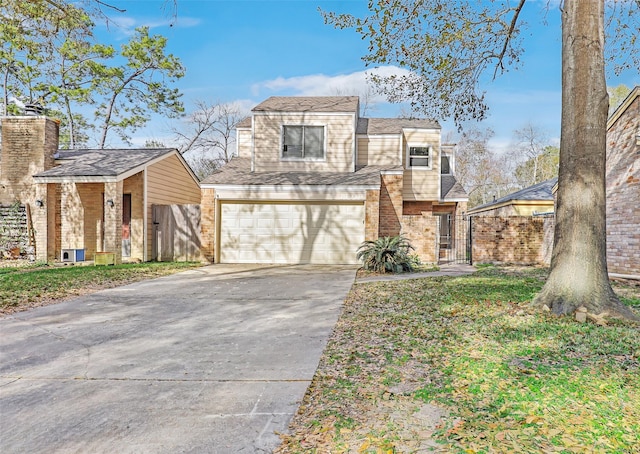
<point x="21" y="288"/>
<point x="506" y="378"/>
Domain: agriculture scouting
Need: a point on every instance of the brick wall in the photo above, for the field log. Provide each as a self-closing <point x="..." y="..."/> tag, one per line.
<point x="421" y="232"/>
<point x="415" y="208"/>
<point x="134" y="185"/>
<point x="88" y="219"/>
<point x="208" y="224"/>
<point x="623" y="193"/>
<point x="372" y="215"/>
<point x="113" y="219"/>
<point x="520" y="240"/>
<point x="28" y="146"/>
<point x="390" y="204"/>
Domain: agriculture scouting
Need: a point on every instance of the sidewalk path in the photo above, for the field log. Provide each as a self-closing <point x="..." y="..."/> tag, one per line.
<point x="445" y="270"/>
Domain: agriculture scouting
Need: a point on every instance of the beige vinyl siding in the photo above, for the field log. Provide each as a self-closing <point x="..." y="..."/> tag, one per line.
<point x="422" y="184"/>
<point x="243" y="139"/>
<point x="379" y="150"/>
<point x="339" y="137"/>
<point x="168" y="182"/>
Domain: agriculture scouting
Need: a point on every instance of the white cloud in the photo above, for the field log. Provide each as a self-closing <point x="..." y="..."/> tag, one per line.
<point x="325" y="85"/>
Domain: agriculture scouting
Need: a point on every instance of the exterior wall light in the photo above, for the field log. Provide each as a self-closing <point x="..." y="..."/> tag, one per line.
<point x="110" y="202"/>
<point x="39" y="203"/>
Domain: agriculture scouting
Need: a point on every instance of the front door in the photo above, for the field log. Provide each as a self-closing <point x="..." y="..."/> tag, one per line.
<point x="126" y="225"/>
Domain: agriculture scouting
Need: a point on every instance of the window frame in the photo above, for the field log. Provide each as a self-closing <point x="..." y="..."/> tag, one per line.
<point x="303" y="158"/>
<point x="430" y="156"/>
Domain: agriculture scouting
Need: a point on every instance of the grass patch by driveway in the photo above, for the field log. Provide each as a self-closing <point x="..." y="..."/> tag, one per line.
<point x="462" y="364"/>
<point x="24" y="287"/>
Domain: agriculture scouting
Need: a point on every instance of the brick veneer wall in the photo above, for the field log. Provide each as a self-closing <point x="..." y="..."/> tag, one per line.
<point x="421" y="232"/>
<point x="208" y="224"/>
<point x="372" y="215"/>
<point x="623" y="193"/>
<point x="415" y="220"/>
<point x="28" y="146"/>
<point x="390" y="204"/>
<point x="134" y="185"/>
<point x="520" y="240"/>
<point x="416" y="208"/>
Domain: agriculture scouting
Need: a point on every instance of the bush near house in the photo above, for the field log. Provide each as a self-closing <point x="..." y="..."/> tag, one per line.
<point x="388" y="254"/>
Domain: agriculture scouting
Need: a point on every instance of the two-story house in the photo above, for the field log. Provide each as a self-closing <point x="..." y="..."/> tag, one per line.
<point x="312" y="180"/>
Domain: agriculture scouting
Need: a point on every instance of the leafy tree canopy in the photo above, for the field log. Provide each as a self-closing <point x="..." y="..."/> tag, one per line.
<point x="48" y="56"/>
<point x="450" y="47"/>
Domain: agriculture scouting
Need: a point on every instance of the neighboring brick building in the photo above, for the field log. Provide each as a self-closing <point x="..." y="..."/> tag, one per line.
<point x="535" y="199"/>
<point x="84" y="202"/>
<point x="623" y="188"/>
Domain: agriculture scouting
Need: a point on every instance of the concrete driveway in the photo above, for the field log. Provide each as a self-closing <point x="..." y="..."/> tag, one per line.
<point x="212" y="360"/>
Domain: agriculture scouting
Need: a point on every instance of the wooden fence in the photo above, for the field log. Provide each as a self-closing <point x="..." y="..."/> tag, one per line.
<point x="176" y="233"/>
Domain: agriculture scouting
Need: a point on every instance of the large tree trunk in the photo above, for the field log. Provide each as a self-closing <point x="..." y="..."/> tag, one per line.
<point x="578" y="274"/>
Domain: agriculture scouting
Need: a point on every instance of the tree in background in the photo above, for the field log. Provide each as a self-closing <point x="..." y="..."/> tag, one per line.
<point x="134" y="90"/>
<point x="546" y="167"/>
<point x="530" y="142"/>
<point x="448" y="47"/>
<point x="48" y="57"/>
<point x="617" y="94"/>
<point x="207" y="136"/>
<point x="483" y="173"/>
<point x="366" y="95"/>
<point x="28" y="32"/>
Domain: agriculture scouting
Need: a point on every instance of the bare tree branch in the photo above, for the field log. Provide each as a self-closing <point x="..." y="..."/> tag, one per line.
<point x="512" y="27"/>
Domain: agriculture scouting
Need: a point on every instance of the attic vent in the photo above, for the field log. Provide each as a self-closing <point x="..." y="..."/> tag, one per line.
<point x="33" y="109"/>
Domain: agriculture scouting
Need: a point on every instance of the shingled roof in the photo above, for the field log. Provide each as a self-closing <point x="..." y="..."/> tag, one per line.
<point x="539" y="191"/>
<point x="238" y="172"/>
<point x="451" y="190"/>
<point x="392" y="125"/>
<point x="308" y="104"/>
<point x="246" y="123"/>
<point x="107" y="163"/>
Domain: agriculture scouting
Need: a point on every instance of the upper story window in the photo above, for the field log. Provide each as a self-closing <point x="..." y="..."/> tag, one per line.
<point x="303" y="142"/>
<point x="445" y="165"/>
<point x="419" y="157"/>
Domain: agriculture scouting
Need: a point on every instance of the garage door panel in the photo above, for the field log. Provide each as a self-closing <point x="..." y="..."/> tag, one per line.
<point x="290" y="233"/>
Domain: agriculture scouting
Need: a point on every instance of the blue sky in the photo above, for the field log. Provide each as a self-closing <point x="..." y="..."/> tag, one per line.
<point x="247" y="50"/>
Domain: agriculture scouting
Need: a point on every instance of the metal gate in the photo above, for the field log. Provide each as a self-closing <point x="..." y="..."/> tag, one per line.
<point x="454" y="239"/>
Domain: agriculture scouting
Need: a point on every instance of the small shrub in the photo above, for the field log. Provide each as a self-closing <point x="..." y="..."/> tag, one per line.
<point x="389" y="254"/>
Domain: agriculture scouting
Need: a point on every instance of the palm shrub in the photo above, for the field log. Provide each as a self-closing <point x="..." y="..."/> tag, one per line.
<point x="388" y="254"/>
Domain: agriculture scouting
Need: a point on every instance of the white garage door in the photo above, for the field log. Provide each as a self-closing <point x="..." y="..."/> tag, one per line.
<point x="290" y="232"/>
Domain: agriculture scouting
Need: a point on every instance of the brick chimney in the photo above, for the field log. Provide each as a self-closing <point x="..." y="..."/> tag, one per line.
<point x="28" y="147"/>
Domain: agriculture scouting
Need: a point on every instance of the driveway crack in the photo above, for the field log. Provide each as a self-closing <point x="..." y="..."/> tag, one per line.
<point x="59" y="337"/>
